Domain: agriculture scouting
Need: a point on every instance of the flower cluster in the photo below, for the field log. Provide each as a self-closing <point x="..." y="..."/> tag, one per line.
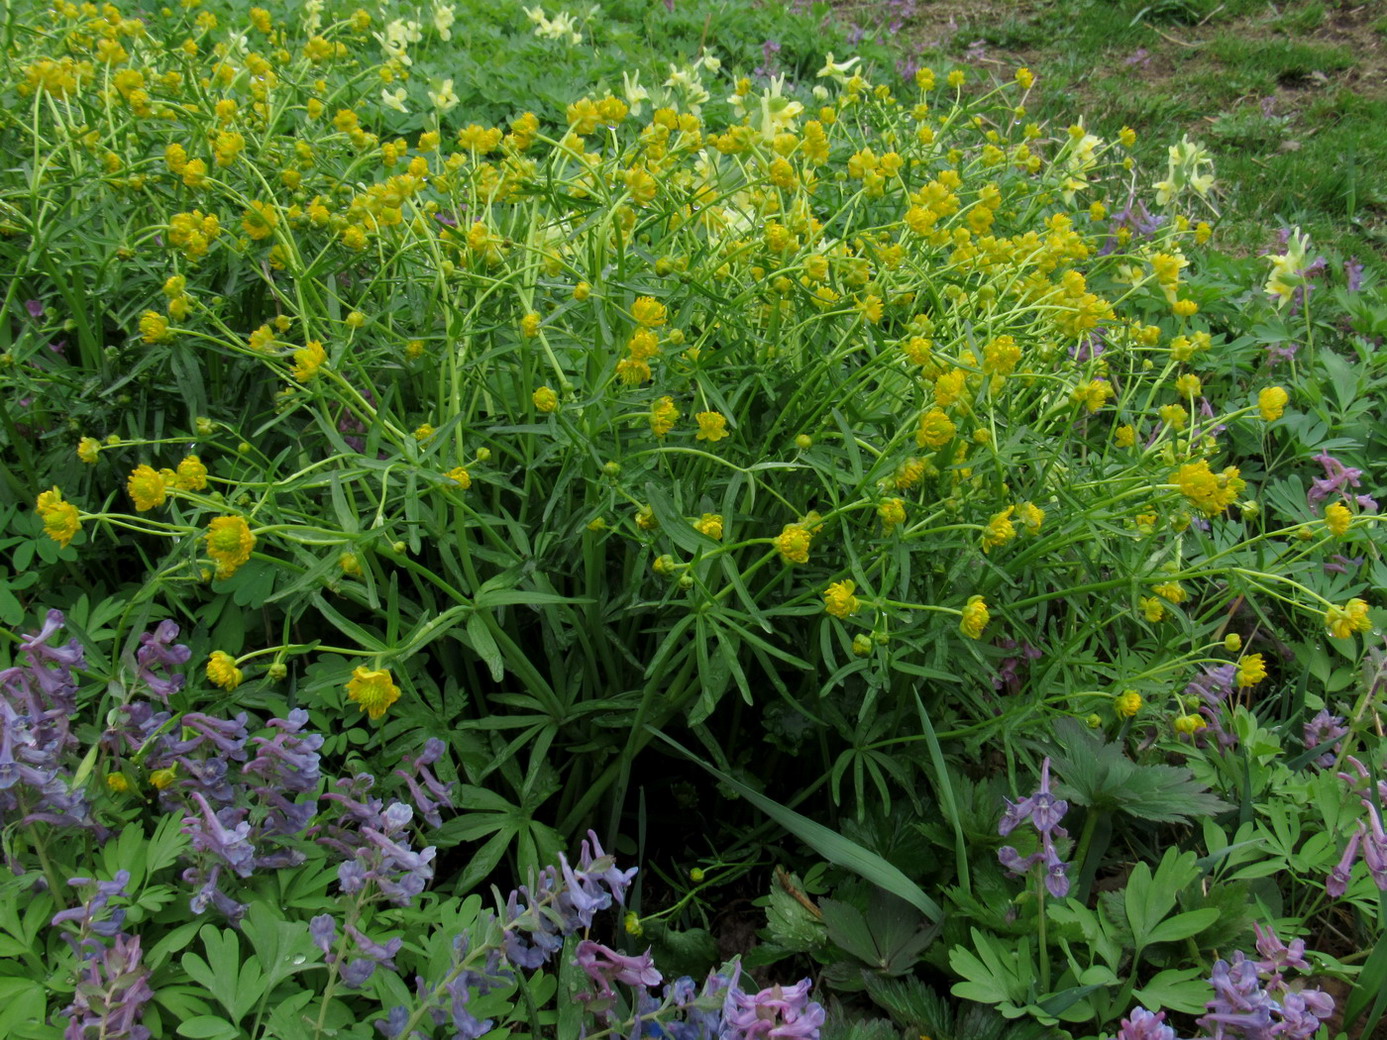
<point x="1043" y="811"/>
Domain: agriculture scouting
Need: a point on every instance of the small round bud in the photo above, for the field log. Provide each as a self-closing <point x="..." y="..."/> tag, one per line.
<point x="204" y="426"/>
<point x="804" y="442"/>
<point x="862" y="645"/>
<point x="696" y="874"/>
<point x="243" y="448"/>
<point x="277" y="671"/>
<point x="1232" y="642"/>
<point x="612" y="469"/>
<point x="483" y="454"/>
<point x="398" y="548"/>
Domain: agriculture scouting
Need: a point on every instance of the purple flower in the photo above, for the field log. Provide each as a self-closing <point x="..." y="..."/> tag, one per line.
<point x="775" y="1012"/>
<point x="1276" y="955"/>
<point x="1145" y="1025"/>
<point x="323" y="930"/>
<point x="1337" y="882"/>
<point x="111" y="993"/>
<point x="35" y="308"/>
<point x="158" y="650"/>
<point x="1336" y="475"/>
<point x="224" y="834"/>
<point x="419" y="779"/>
<point x="1325" y="729"/>
<point x="1353" y="274"/>
<point x="288" y="760"/>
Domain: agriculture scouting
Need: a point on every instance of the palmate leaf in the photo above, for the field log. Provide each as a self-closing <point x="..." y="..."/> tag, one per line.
<point x="1099" y="775"/>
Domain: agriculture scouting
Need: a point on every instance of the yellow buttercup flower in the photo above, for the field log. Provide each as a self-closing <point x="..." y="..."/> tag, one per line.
<point x="649" y="312"/>
<point x="459" y="476"/>
<point x="1152" y="608"/>
<point x="1032" y="516"/>
<point x="1209" y="492"/>
<point x="839" y="600"/>
<point x="936" y="429"/>
<point x="529" y="325"/>
<point x="61" y="521"/>
<point x="88" y="448"/>
<point x="793" y="543"/>
<point x="308" y="359"/>
<point x="162" y="778"/>
<point x="222" y="671"/>
<point x="1251" y="670"/>
<point x="147" y="488"/>
<point x="999" y="530"/>
<point x="1338" y="518"/>
<point x="545" y="400"/>
<point x="1172" y="591"/>
<point x="663" y="416"/>
<point x="229" y="543"/>
<point x="974" y="618"/>
<point x="1189" y="724"/>
<point x="372" y="690"/>
<point x="892" y="513"/>
<point x="192" y="474"/>
<point x="1125" y="436"/>
<point x="1342" y="622"/>
<point x="712" y="426"/>
<point x="710" y="524"/>
<point x="117" y="783"/>
<point x="1271" y="403"/>
<point x="1127" y="703"/>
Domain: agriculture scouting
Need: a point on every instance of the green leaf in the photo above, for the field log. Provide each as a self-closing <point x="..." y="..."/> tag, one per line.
<point x="22" y="1001"/>
<point x="827" y="843"/>
<point x="208" y="1027"/>
<point x="1185" y="990"/>
<point x="1182" y="926"/>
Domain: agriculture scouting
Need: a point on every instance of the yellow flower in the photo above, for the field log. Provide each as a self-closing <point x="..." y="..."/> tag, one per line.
<point x="1185" y="308"/>
<point x="1251" y="670"/>
<point x="1188" y="385"/>
<point x="260" y="220"/>
<point x="308" y="359"/>
<point x="529" y="325"/>
<point x="645" y="519"/>
<point x="949" y="387"/>
<point x="892" y="513"/>
<point x="117" y="783"/>
<point x="61" y="521"/>
<point x="545" y="400"/>
<point x="373" y="691"/>
<point x="1271" y="402"/>
<point x="633" y="371"/>
<point x="1189" y="724"/>
<point x="88" y="448"/>
<point x="1092" y="394"/>
<point x="147" y="488"/>
<point x="1338" y="518"/>
<point x="459" y="475"/>
<point x="1032" y="516"/>
<point x="1025" y="77"/>
<point x="1001" y="356"/>
<point x="649" y="312"/>
<point x="1127" y="703"/>
<point x="975" y="618"/>
<point x="222" y="671"/>
<point x="192" y="474"/>
<point x="162" y="778"/>
<point x="1171" y="591"/>
<point x="1211" y="493"/>
<point x="1125" y="436"/>
<point x="839" y="600"/>
<point x="793" y="543"/>
<point x="710" y="524"/>
<point x="936" y="429"/>
<point x="423" y="432"/>
<point x="1152" y="608"/>
<point x="663" y="416"/>
<point x="712" y="426"/>
<point x="229" y="543"/>
<point x="154" y="327"/>
<point x="665" y="565"/>
<point x="1342" y="622"/>
<point x="999" y="530"/>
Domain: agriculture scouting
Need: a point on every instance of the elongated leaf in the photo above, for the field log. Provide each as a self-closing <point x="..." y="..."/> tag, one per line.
<point x="828" y="843"/>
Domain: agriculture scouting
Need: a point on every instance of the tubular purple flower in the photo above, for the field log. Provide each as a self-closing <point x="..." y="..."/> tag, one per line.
<point x="1337" y="883"/>
<point x="776" y="1012"/>
<point x="158" y="650"/>
<point x="227" y="840"/>
<point x="323" y="930"/>
<point x="1145" y="1025"/>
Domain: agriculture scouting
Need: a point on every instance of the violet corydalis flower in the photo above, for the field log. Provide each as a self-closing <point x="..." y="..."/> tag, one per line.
<point x="1043" y="811"/>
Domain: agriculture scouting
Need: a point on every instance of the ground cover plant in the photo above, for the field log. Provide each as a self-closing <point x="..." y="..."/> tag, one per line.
<point x="423" y="487"/>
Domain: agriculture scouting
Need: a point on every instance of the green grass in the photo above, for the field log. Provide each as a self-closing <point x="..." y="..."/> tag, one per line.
<point x="1169" y="68"/>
